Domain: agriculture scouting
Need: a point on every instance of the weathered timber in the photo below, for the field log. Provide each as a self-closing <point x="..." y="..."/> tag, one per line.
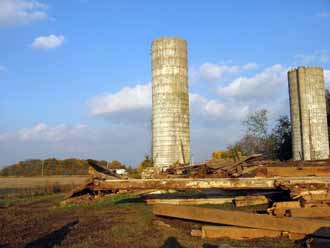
<point x="302" y="171"/>
<point x="196" y="233"/>
<point x="279" y="208"/>
<point x="190" y="201"/>
<point x="242" y="219"/>
<point x="316" y="212"/>
<point x="317" y="196"/>
<point x="214" y="183"/>
<point x="242" y="201"/>
<point x="237" y="233"/>
<point x="99" y="168"/>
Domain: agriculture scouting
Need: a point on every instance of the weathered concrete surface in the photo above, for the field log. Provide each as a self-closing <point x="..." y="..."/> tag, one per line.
<point x="308" y="113"/>
<point x="170" y="102"/>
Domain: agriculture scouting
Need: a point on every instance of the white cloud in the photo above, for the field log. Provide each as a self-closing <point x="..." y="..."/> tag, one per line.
<point x="48" y="42"/>
<point x="327" y="78"/>
<point x="44" y="132"/>
<point x="20" y="12"/>
<point x="263" y="84"/>
<point x="127" y="99"/>
<point x="216" y="72"/>
<point x="318" y="56"/>
<point x="250" y="66"/>
<point x="324" y="14"/>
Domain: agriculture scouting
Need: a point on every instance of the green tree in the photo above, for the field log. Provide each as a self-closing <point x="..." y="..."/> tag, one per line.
<point x="281" y="139"/>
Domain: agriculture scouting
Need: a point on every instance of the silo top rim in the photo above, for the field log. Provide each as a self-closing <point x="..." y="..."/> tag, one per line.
<point x="305" y="67"/>
<point x="169" y="38"/>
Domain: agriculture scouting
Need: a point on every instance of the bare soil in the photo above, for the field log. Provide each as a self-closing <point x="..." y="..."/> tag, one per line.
<point x="109" y="222"/>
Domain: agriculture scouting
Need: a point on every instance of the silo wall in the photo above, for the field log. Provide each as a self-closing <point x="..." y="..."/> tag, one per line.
<point x="170" y="102"/>
<point x="313" y="129"/>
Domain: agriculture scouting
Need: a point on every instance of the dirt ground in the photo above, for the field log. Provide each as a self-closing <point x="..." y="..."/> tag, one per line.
<point x="119" y="221"/>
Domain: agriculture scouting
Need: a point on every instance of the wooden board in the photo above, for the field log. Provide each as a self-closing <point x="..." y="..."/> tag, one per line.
<point x="237" y="233"/>
<point x="190" y="201"/>
<point x="212" y="183"/>
<point x="316" y="212"/>
<point x="297" y="171"/>
<point x="242" y="201"/>
<point x="243" y="219"/>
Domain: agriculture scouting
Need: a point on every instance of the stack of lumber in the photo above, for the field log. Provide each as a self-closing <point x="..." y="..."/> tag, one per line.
<point x="244" y="225"/>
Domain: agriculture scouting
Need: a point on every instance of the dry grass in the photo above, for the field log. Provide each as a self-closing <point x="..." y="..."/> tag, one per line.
<point x="30" y="182"/>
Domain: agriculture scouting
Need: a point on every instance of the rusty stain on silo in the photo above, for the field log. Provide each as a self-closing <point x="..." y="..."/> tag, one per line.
<point x="308" y="114"/>
<point x="170" y="102"/>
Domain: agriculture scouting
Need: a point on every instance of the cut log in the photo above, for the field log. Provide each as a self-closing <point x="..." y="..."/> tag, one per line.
<point x="191" y="201"/>
<point x="237" y="233"/>
<point x="242" y="219"/>
<point x="242" y="201"/>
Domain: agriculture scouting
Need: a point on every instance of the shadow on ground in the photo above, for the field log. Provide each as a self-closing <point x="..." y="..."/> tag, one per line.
<point x="54" y="238"/>
<point x="172" y="242"/>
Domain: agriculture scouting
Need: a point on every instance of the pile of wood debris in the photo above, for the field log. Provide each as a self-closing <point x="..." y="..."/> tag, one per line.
<point x="297" y="194"/>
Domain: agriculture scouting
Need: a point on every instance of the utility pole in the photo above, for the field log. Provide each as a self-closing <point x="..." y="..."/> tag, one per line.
<point x="42" y="167"/>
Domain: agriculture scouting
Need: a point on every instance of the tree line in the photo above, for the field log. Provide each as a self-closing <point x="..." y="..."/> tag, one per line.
<point x="52" y="166"/>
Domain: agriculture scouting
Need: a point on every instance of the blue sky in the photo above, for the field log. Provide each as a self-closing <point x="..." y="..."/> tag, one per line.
<point x="75" y="75"/>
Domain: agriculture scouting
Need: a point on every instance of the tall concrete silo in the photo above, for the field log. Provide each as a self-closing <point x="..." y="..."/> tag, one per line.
<point x="308" y="113"/>
<point x="170" y="102"/>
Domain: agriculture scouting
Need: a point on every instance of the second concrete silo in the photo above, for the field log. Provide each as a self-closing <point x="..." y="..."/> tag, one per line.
<point x="170" y="102"/>
<point x="308" y="113"/>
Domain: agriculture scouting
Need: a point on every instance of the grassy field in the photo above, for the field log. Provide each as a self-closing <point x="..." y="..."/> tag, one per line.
<point x="38" y="185"/>
<point x="114" y="221"/>
<point x="30" y="182"/>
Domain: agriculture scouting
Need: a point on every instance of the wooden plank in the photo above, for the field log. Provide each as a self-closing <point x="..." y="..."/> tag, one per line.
<point x="302" y="171"/>
<point x="243" y="219"/>
<point x="196" y="233"/>
<point x="317" y="212"/>
<point x="211" y="183"/>
<point x="242" y="201"/>
<point x="237" y="233"/>
<point x="190" y="201"/>
<point x="279" y="208"/>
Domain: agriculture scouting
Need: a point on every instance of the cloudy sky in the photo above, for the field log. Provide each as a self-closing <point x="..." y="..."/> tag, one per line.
<point x="75" y="75"/>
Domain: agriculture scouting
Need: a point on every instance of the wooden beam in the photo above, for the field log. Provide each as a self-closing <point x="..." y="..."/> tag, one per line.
<point x="190" y="201"/>
<point x="237" y="233"/>
<point x="317" y="212"/>
<point x="211" y="183"/>
<point x="243" y="219"/>
<point x="242" y="201"/>
<point x="297" y="171"/>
